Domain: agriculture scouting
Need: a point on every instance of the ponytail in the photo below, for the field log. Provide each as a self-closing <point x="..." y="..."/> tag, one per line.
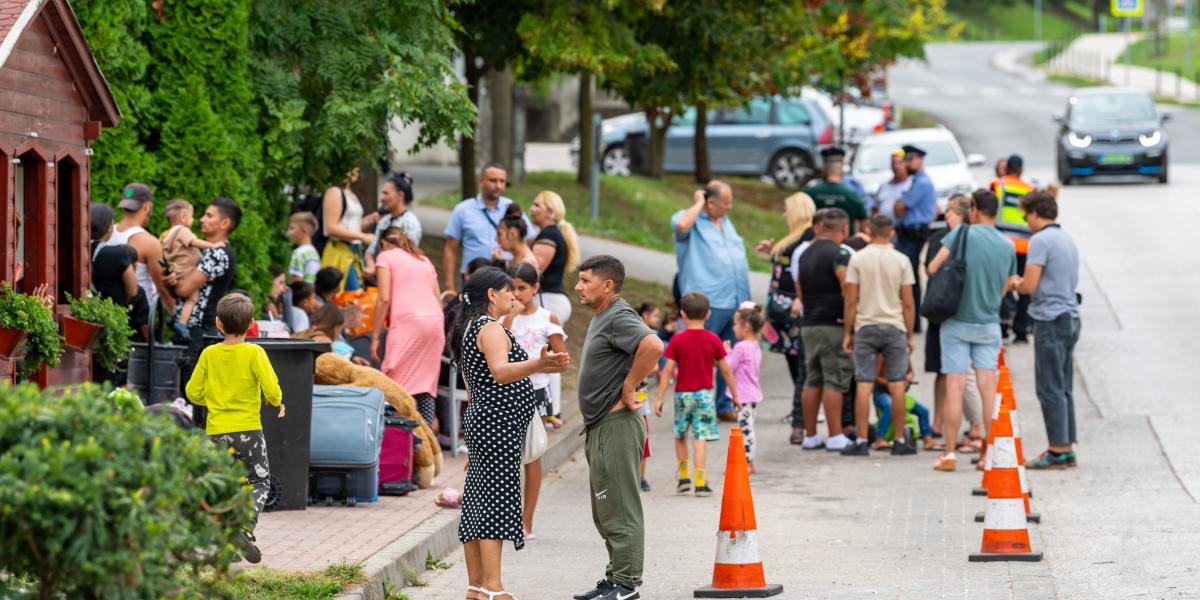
<point x="554" y="202"/>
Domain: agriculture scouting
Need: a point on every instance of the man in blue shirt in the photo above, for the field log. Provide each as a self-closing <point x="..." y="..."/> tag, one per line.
<point x="472" y="225"/>
<point x="711" y="258"/>
<point x="915" y="210"/>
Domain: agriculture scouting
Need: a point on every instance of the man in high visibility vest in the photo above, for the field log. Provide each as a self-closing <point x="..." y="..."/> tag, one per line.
<point x="1011" y="222"/>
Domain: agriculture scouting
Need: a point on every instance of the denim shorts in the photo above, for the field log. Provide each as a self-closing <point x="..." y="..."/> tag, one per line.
<point x="967" y="345"/>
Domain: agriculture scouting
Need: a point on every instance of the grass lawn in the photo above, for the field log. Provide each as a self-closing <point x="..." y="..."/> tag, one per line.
<point x="1009" y="22"/>
<point x="638" y="210"/>
<point x="1076" y="81"/>
<point x="635" y="293"/>
<point x="262" y="583"/>
<point x="1173" y="57"/>
<point x="911" y="118"/>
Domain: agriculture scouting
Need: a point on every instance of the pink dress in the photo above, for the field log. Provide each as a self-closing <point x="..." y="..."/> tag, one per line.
<point x="416" y="336"/>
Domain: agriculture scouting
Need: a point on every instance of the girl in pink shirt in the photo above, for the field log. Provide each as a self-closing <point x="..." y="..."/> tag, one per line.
<point x="745" y="360"/>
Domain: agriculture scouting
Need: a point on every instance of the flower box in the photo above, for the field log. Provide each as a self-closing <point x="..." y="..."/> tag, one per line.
<point x="12" y="342"/>
<point x="78" y="334"/>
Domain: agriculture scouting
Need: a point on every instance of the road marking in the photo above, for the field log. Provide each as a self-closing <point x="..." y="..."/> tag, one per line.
<point x="955" y="90"/>
<point x="1027" y="91"/>
<point x="918" y="91"/>
<point x="988" y="90"/>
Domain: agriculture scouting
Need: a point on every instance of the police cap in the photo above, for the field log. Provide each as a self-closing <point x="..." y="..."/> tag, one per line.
<point x="910" y="151"/>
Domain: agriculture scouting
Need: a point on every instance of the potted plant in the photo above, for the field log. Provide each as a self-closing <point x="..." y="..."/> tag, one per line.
<point x="28" y="314"/>
<point x="112" y="341"/>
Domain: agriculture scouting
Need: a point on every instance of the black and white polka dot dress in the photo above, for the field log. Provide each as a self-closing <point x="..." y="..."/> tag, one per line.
<point x="494" y="426"/>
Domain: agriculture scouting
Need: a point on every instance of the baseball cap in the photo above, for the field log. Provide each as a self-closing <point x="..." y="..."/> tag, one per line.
<point x="134" y="196"/>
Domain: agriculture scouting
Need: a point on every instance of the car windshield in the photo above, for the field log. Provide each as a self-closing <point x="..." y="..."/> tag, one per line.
<point x="878" y="157"/>
<point x="1111" y="108"/>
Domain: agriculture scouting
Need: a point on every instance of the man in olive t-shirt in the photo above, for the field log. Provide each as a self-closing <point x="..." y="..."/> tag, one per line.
<point x="619" y="352"/>
<point x="832" y="192"/>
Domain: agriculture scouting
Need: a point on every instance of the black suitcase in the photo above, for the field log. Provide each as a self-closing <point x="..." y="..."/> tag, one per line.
<point x="331" y="485"/>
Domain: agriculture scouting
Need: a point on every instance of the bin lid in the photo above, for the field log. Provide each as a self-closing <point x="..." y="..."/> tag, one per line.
<point x="273" y="344"/>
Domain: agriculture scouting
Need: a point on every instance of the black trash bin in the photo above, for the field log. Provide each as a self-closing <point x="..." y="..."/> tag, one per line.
<point x="168" y="358"/>
<point x="637" y="145"/>
<point x="287" y="438"/>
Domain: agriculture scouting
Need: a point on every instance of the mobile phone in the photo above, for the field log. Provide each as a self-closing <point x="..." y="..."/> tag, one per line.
<point x="166" y="266"/>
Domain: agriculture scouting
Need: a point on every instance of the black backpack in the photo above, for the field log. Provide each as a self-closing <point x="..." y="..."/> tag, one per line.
<point x="315" y="204"/>
<point x="945" y="288"/>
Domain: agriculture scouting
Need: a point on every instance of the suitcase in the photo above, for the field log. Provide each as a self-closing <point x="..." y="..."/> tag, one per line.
<point x="396" y="458"/>
<point x="347" y="435"/>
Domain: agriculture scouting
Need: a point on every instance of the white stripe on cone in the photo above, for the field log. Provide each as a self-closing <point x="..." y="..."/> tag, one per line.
<point x="996" y="406"/>
<point x="1004" y="514"/>
<point x="1024" y="481"/>
<point x="1016" y="424"/>
<point x="1004" y="453"/>
<point x="740" y="547"/>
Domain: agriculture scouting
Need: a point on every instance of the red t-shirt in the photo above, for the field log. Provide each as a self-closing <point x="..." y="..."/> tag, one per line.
<point x="695" y="351"/>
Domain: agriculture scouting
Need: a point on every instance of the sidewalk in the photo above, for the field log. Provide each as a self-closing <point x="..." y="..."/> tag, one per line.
<point x="1099" y="56"/>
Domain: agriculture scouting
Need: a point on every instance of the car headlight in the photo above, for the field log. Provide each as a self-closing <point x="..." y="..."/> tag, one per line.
<point x="1151" y="140"/>
<point x="1079" y="142"/>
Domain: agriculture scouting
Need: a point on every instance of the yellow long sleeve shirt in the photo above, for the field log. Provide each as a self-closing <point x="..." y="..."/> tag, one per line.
<point x="231" y="380"/>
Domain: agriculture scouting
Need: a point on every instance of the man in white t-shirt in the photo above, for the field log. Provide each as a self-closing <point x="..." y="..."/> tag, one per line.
<point x="884" y="201"/>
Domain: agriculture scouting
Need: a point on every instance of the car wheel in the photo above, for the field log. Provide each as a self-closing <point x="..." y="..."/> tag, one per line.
<point x="1064" y="173"/>
<point x="1162" y="177"/>
<point x="791" y="169"/>
<point x="616" y="161"/>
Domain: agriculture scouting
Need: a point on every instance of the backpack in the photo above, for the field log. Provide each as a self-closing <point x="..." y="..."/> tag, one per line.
<point x="315" y="204"/>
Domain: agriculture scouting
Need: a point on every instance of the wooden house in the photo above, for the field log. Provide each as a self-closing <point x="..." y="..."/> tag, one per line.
<point x="53" y="103"/>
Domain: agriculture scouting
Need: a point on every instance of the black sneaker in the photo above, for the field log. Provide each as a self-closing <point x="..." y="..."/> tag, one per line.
<point x="905" y="448"/>
<point x="602" y="587"/>
<point x="857" y="449"/>
<point x="703" y="491"/>
<point x="620" y="592"/>
<point x="246" y="547"/>
<point x="1050" y="460"/>
<point x="645" y="485"/>
<point x="684" y="486"/>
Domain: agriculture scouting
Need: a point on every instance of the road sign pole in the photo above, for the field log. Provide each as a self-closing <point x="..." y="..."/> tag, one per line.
<point x="1189" y="13"/>
<point x="1037" y="19"/>
<point x="594" y="188"/>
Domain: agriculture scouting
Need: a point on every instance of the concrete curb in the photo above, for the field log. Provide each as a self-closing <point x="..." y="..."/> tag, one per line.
<point x="438" y="535"/>
<point x="1015" y="62"/>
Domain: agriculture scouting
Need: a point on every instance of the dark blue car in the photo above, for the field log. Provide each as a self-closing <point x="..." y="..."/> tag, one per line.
<point x="1111" y="131"/>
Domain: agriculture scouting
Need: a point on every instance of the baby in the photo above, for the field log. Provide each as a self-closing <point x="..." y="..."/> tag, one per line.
<point x="181" y="248"/>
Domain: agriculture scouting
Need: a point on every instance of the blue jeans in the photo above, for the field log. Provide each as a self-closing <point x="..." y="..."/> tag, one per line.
<point x="909" y="243"/>
<point x="883" y="406"/>
<point x="1053" y="347"/>
<point x="720" y="322"/>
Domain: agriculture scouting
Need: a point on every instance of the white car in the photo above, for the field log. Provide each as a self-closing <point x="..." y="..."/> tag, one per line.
<point x="945" y="162"/>
<point x="862" y="119"/>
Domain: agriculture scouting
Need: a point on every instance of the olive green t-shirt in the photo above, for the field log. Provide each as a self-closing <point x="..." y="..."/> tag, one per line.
<point x="826" y="194"/>
<point x="612" y="340"/>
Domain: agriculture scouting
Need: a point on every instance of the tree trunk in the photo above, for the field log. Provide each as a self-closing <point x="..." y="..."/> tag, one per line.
<point x="700" y="145"/>
<point x="500" y="97"/>
<point x="586" y="143"/>
<point x="466" y="144"/>
<point x="656" y="145"/>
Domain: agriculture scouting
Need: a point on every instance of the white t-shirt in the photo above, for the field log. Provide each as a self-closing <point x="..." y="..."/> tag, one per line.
<point x="888" y="194"/>
<point x="533" y="332"/>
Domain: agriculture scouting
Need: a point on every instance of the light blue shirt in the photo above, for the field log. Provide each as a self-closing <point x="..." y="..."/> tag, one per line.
<point x="1054" y="251"/>
<point x="474" y="225"/>
<point x="921" y="200"/>
<point x="712" y="261"/>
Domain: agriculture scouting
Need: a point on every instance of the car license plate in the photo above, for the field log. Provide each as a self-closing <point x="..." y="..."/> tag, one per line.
<point x="1116" y="158"/>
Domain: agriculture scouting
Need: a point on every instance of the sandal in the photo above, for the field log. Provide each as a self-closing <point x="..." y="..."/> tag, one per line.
<point x="797" y="437"/>
<point x="969" y="446"/>
<point x="490" y="594"/>
<point x="946" y="462"/>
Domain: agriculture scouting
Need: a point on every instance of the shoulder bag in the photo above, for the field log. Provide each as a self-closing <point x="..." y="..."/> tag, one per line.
<point x="946" y="286"/>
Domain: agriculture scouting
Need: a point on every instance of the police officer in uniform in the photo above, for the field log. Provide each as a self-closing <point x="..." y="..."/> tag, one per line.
<point x="915" y="210"/>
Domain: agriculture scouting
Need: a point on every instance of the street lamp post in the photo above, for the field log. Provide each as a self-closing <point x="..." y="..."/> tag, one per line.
<point x="1037" y="20"/>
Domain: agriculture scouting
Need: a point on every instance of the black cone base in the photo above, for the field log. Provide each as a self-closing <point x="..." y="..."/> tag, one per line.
<point x="1020" y="556"/>
<point x="978" y="492"/>
<point x="708" y="591"/>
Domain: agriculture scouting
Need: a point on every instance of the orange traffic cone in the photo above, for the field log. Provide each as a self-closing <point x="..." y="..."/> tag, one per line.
<point x="1005" y="533"/>
<point x="738" y="568"/>
<point x="1005" y="432"/>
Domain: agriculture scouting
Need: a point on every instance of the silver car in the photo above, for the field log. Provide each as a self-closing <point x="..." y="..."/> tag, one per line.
<point x="777" y="137"/>
<point x="945" y="162"/>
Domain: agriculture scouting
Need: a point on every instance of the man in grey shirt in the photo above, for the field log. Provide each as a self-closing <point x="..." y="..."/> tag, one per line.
<point x="619" y="352"/>
<point x="1051" y="276"/>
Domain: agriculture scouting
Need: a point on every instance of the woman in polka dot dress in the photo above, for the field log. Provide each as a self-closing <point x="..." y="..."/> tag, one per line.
<point x="497" y="372"/>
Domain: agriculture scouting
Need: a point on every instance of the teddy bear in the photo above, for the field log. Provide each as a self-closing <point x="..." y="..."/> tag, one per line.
<point x="332" y="369"/>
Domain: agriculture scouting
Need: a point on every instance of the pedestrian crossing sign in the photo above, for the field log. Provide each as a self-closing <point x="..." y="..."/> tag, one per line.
<point x="1128" y="8"/>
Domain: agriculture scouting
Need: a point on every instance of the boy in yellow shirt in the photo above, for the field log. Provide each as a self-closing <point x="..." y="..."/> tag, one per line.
<point x="231" y="379"/>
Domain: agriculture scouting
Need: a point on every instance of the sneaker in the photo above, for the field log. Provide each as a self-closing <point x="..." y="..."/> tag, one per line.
<point x="860" y="448"/>
<point x="246" y="547"/>
<point x="620" y="592"/>
<point x="946" y="462"/>
<point x="684" y="486"/>
<point x="1071" y="460"/>
<point x="703" y="491"/>
<point x="1050" y="461"/>
<point x="645" y="485"/>
<point x="603" y="587"/>
<point x="812" y="443"/>
<point x="837" y="443"/>
<point x="904" y="448"/>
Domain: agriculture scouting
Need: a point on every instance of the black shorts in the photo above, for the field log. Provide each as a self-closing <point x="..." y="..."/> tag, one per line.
<point x="933" y="348"/>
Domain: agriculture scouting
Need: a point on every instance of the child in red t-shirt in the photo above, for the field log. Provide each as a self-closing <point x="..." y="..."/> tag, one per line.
<point x="695" y="350"/>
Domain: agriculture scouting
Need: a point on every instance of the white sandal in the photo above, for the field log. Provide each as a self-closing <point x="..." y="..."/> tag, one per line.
<point x="490" y="594"/>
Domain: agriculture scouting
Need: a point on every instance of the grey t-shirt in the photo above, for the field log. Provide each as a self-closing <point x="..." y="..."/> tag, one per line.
<point x="612" y="340"/>
<point x="1054" y="250"/>
<point x="991" y="260"/>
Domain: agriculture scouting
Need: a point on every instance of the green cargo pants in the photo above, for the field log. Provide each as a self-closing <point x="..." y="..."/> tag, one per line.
<point x="614" y="453"/>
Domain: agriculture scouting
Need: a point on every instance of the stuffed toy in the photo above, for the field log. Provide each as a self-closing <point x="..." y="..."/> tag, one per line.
<point x="335" y="370"/>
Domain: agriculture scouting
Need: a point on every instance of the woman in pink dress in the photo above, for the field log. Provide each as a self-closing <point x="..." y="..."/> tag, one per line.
<point x="409" y="302"/>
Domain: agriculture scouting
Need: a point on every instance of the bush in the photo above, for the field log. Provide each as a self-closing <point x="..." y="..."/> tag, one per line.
<point x="100" y="500"/>
<point x="26" y="313"/>
<point x="114" y="342"/>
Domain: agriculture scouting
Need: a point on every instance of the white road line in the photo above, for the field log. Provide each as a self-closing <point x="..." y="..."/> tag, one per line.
<point x="918" y="91"/>
<point x="955" y="90"/>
